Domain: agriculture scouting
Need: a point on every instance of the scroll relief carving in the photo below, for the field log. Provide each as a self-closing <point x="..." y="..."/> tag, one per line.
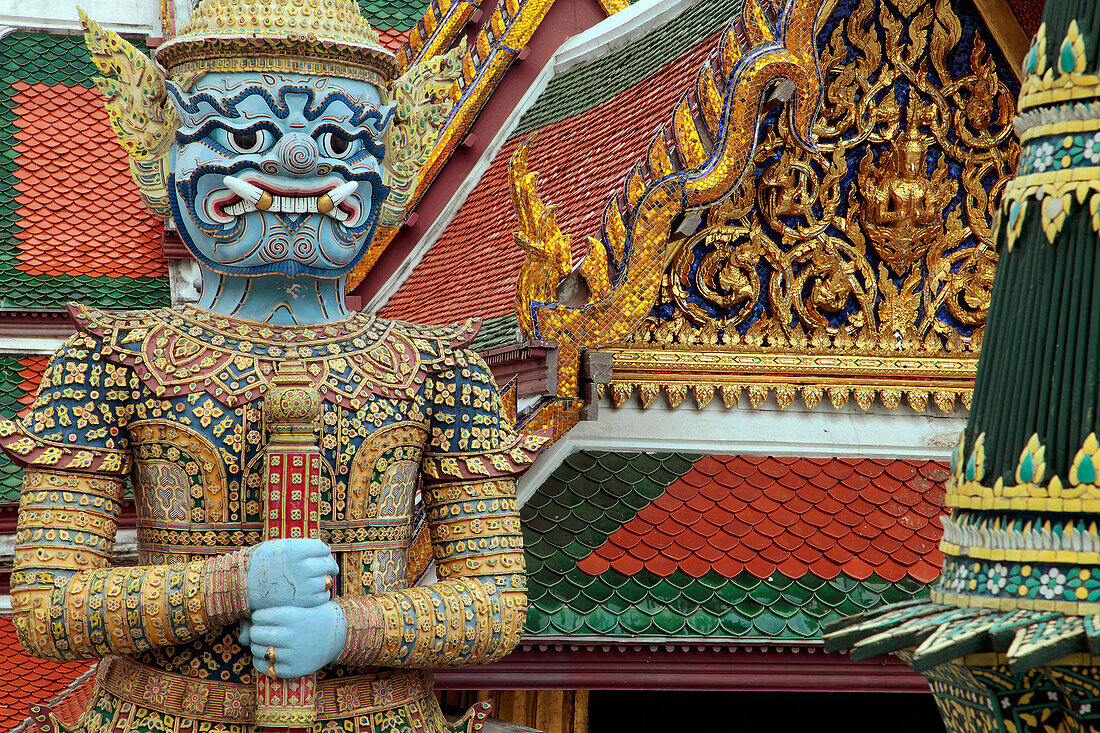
<point x="879" y="243"/>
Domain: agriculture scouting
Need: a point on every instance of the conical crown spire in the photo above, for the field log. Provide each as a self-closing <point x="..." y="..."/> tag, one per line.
<point x="312" y="37"/>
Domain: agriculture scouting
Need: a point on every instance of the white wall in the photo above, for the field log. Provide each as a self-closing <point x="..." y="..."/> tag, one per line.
<point x="124" y="16"/>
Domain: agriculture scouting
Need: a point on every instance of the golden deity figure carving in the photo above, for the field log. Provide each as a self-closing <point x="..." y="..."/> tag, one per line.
<point x="903" y="205"/>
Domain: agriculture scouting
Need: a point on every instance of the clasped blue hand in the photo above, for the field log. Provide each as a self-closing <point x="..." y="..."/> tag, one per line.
<point x="304" y="639"/>
<point x="289" y="573"/>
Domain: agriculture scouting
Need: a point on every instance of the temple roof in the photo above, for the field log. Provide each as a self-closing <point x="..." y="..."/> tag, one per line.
<point x="29" y="680"/>
<point x="678" y="544"/>
<point x="592" y="122"/>
<point x="72" y="226"/>
<point x="19" y="378"/>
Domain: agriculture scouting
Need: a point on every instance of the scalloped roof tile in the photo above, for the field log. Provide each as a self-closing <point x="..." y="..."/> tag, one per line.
<point x="732" y="544"/>
<point x="19" y="378"/>
<point x="72" y="227"/>
<point x="60" y="130"/>
<point x="385" y="15"/>
<point x="39" y="680"/>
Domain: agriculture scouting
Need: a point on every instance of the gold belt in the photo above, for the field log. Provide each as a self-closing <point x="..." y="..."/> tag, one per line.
<point x="228" y="702"/>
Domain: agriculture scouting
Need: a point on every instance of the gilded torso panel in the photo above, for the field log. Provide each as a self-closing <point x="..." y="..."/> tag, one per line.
<point x="196" y="439"/>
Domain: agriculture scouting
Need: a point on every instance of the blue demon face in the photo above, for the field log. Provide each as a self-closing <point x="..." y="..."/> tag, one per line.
<point x="278" y="174"/>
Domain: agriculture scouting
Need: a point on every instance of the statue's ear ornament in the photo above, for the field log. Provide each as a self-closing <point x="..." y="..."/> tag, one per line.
<point x="138" y="108"/>
<point x="423" y="97"/>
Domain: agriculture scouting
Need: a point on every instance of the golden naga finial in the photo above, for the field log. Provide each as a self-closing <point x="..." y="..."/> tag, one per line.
<point x="549" y="251"/>
<point x="693" y="162"/>
<point x="138" y="109"/>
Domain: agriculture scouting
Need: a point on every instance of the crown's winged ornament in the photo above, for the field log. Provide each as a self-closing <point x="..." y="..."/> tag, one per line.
<point x="138" y="108"/>
<point x="692" y="163"/>
<point x="424" y="96"/>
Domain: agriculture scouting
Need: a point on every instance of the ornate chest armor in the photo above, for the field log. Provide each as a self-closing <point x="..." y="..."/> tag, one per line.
<point x="172" y="399"/>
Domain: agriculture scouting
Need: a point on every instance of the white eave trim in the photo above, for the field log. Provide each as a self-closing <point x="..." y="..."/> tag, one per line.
<point x="135" y="17"/>
<point x="768" y="430"/>
<point x="22" y="345"/>
<point x="599" y="40"/>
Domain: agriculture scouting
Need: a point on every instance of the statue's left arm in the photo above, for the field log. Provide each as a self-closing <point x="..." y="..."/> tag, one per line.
<point x="475" y="612"/>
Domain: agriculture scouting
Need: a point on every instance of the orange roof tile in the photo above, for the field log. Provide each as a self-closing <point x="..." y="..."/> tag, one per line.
<point x="27" y="680"/>
<point x="789" y="515"/>
<point x="80" y="211"/>
<point x="581" y="161"/>
<point x="31" y="373"/>
<point x="392" y="38"/>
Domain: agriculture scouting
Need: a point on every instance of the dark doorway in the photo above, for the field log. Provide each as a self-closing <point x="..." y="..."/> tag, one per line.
<point x="774" y="712"/>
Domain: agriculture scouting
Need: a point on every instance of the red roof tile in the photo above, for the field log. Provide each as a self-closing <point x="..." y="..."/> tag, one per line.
<point x="582" y="161"/>
<point x="27" y="680"/>
<point x="775" y="525"/>
<point x="80" y="211"/>
<point x="31" y="373"/>
<point x="392" y="38"/>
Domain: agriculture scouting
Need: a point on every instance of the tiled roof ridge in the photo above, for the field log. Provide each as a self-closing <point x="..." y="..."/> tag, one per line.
<point x="44" y="61"/>
<point x="592" y="82"/>
<point x="113" y="214"/>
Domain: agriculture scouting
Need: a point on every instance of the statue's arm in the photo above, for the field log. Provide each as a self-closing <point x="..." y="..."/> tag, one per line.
<point x="68" y="604"/>
<point x="476" y="610"/>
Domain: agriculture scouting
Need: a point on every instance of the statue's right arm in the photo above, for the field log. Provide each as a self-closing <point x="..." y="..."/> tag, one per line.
<point x="67" y="602"/>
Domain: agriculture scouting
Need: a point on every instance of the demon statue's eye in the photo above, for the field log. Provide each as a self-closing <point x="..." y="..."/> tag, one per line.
<point x="246" y="142"/>
<point x="249" y="142"/>
<point x="335" y="145"/>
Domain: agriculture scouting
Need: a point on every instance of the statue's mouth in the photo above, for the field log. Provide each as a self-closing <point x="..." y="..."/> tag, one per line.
<point x="248" y="193"/>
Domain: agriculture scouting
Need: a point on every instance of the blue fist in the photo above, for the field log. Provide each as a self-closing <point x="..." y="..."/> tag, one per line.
<point x="289" y="573"/>
<point x="303" y="639"/>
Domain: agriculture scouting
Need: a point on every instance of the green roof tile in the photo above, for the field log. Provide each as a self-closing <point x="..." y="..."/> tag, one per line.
<point x="587" y="85"/>
<point x="11" y="476"/>
<point x="565" y="601"/>
<point x="496" y="332"/>
<point x="395" y="14"/>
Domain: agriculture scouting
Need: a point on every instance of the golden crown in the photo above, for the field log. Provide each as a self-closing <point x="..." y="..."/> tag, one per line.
<point x="314" y="37"/>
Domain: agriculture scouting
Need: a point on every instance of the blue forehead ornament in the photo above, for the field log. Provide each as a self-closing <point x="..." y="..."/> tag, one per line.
<point x="274" y="135"/>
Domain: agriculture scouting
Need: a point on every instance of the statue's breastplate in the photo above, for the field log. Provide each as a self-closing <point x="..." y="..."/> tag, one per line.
<point x="199" y="491"/>
<point x="197" y="437"/>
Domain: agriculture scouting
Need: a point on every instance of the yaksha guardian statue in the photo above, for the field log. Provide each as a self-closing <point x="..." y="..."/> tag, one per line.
<point x="275" y="442"/>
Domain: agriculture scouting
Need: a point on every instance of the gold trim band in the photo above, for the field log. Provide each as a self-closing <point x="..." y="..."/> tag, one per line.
<point x="227" y="702"/>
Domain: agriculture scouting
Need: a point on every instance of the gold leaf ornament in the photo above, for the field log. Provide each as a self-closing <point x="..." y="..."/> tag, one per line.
<point x="424" y="97"/>
<point x="138" y="109"/>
